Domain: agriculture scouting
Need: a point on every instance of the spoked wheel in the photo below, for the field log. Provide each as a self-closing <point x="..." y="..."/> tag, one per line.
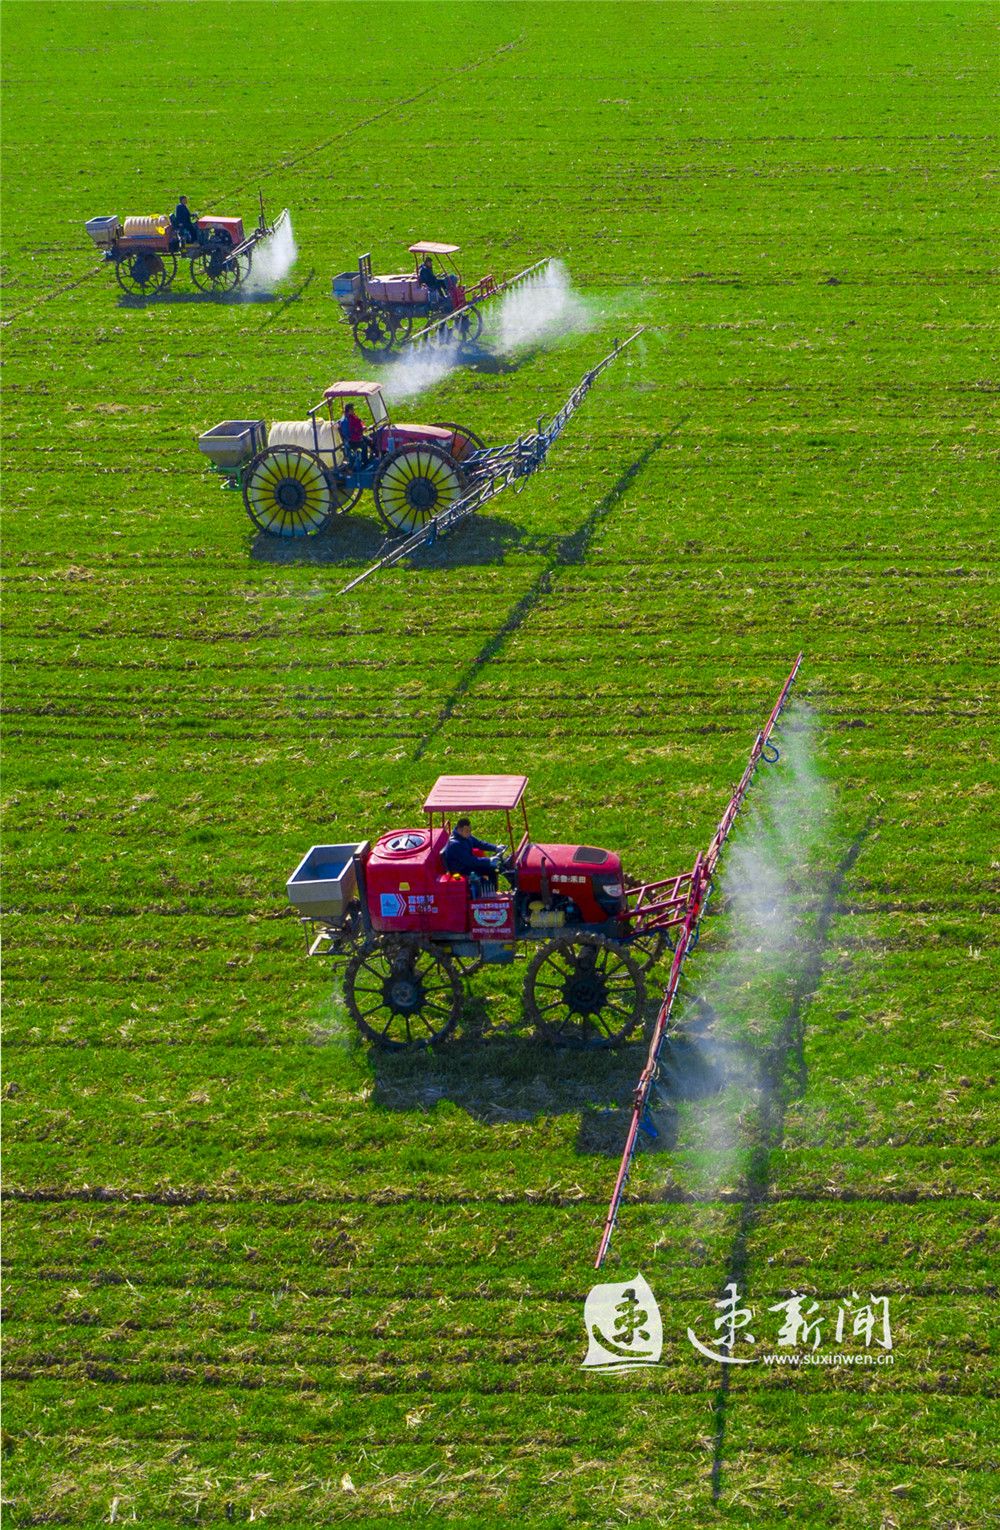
<point x="414" y="484"/>
<point x="287" y="493"/>
<point x="213" y="272"/>
<point x="373" y="334"/>
<point x="145" y="273"/>
<point x="584" y="991"/>
<point x="463" y="442"/>
<point x="400" y="332"/>
<point x="342" y="497"/>
<point x="470" y="326"/>
<point x="403" y="994"/>
<point x="648" y="949"/>
<point x="244" y="265"/>
<point x="465" y="966"/>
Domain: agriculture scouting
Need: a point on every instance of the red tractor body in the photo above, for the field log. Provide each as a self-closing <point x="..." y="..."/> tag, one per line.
<point x="411" y="929"/>
<point x="585" y="882"/>
<point x="389" y="437"/>
<point x="410" y="890"/>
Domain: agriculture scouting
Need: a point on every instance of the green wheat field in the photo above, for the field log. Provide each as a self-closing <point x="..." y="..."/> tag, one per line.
<point x="255" y="1272"/>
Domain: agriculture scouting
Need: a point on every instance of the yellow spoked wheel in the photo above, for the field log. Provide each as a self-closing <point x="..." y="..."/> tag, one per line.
<point x="415" y="484"/>
<point x="463" y="442"/>
<point x="342" y="496"/>
<point x="286" y="492"/>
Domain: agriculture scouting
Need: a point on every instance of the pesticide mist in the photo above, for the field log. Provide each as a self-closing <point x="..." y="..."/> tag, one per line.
<point x="419" y="369"/>
<point x="273" y="258"/>
<point x="542" y="308"/>
<point x="747" y="983"/>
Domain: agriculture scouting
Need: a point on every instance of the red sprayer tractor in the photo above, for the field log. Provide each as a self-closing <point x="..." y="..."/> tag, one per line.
<point x="145" y="251"/>
<point x="412" y="931"/>
<point x="382" y="310"/>
<point x="299" y="476"/>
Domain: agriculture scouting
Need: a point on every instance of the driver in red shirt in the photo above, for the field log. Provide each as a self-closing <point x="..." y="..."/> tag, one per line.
<point x="352" y="433"/>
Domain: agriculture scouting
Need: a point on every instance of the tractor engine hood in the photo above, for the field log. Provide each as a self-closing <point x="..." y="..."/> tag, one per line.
<point x="566" y="865"/>
<point x="590" y="877"/>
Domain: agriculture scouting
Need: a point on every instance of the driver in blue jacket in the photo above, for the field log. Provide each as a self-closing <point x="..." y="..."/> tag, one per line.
<point x="460" y="858"/>
<point x="184" y="223"/>
<point x="429" y="277"/>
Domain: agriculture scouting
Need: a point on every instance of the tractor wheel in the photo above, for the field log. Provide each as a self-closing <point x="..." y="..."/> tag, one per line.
<point x="209" y="274"/>
<point x="403" y="993"/>
<point x="647" y="949"/>
<point x="400" y="331"/>
<point x="145" y="273"/>
<point x="373" y="334"/>
<point x="463" y="442"/>
<point x="342" y="497"/>
<point x="287" y="493"/>
<point x="244" y="265"/>
<point x="414" y="484"/>
<point x="470" y="326"/>
<point x="584" y="991"/>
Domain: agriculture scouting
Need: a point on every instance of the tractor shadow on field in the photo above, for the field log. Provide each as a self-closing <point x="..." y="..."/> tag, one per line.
<point x="500" y="1077"/>
<point x="472" y="355"/>
<point x="692" y="1068"/>
<point x="358" y="540"/>
<point x="237" y="299"/>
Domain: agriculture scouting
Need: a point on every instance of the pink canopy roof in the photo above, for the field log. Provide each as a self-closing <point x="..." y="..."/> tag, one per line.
<point x="352" y="389"/>
<point x="427" y="247"/>
<point x="464" y="793"/>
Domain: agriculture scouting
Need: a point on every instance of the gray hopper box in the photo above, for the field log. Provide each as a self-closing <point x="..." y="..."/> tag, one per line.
<point x="325" y="881"/>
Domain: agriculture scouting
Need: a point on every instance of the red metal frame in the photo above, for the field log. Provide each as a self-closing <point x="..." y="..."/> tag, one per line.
<point x="690" y="903"/>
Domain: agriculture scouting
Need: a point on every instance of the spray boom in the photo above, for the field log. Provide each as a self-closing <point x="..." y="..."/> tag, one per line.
<point x="684" y="905"/>
<point x="494" y="469"/>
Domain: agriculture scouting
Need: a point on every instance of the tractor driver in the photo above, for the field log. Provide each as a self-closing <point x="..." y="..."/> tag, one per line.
<point x="184" y="222"/>
<point x="461" y="860"/>
<point x="427" y="275"/>
<point x="352" y="433"/>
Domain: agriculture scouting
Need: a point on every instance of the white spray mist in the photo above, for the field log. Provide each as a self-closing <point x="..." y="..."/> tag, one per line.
<point x="712" y="1071"/>
<point x="541" y="307"/>
<point x="418" y="369"/>
<point x="273" y="258"/>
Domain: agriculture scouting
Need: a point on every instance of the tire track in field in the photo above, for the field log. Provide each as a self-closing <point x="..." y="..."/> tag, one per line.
<point x="294" y="159"/>
<point x="387" y="111"/>
<point x="788" y="1048"/>
<point x="572" y="549"/>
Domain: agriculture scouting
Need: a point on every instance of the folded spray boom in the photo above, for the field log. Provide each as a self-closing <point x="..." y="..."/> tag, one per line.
<point x="696" y="887"/>
<point x="494" y="469"/>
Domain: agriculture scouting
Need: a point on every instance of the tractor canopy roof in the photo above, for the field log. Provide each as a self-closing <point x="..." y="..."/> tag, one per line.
<point x="465" y="793"/>
<point x="428" y="247"/>
<point x="352" y="390"/>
